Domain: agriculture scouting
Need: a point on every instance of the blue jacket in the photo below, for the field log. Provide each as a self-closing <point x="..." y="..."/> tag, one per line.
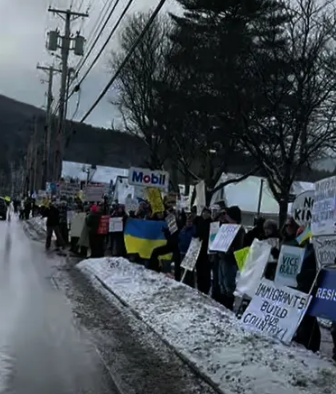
<point x="185" y="237"/>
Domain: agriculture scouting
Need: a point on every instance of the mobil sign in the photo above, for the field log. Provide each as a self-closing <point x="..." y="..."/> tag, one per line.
<point x="145" y="177"/>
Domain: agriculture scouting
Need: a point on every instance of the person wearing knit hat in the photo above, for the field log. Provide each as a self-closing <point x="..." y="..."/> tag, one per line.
<point x="228" y="265"/>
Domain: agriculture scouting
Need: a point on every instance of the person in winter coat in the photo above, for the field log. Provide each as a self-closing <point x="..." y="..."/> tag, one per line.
<point x="308" y="333"/>
<point x="271" y="231"/>
<point x="289" y="232"/>
<point x="187" y="233"/>
<point x="228" y="266"/>
<point x="96" y="240"/>
<point x="52" y="215"/>
<point x="257" y="232"/>
<point x="203" y="266"/>
<point x="117" y="239"/>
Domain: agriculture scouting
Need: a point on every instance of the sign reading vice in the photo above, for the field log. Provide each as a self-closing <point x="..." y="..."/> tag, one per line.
<point x="148" y="178"/>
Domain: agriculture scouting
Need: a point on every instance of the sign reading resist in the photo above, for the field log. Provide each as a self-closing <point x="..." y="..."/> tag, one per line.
<point x="289" y="265"/>
<point x="275" y="311"/>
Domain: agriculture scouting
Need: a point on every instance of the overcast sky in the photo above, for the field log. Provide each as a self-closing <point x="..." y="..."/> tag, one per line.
<point x="23" y="30"/>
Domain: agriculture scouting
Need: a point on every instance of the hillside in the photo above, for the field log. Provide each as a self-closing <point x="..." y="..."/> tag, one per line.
<point x="86" y="143"/>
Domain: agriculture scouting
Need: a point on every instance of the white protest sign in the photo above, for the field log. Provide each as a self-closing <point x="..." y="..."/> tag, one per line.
<point x="116" y="225"/>
<point x="172" y="225"/>
<point x="200" y="197"/>
<point x="289" y="265"/>
<point x="214" y="228"/>
<point x="94" y="192"/>
<point x="275" y="311"/>
<point x="254" y="268"/>
<point x="302" y="208"/>
<point x="77" y="224"/>
<point x="69" y="189"/>
<point x="191" y="256"/>
<point x="225" y="237"/>
<point x="325" y="249"/>
<point x="324" y="209"/>
<point x="131" y="204"/>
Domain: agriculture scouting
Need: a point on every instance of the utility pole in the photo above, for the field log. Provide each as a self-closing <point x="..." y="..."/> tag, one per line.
<point x="50" y="70"/>
<point x="68" y="16"/>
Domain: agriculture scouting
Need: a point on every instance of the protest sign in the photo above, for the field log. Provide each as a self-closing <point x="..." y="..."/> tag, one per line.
<point x="116" y="225"/>
<point x="324" y="209"/>
<point x="104" y="225"/>
<point x="200" y="197"/>
<point x="325" y="249"/>
<point x="69" y="189"/>
<point x="323" y="304"/>
<point x="77" y="224"/>
<point x="155" y="199"/>
<point x="289" y="265"/>
<point x="214" y="228"/>
<point x="302" y="208"/>
<point x="172" y="225"/>
<point x="241" y="257"/>
<point x="275" y="311"/>
<point x="94" y="192"/>
<point x="225" y="237"/>
<point x="254" y="268"/>
<point x="191" y="256"/>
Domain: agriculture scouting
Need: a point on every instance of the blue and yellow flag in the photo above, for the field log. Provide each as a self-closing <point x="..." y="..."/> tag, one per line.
<point x="304" y="236"/>
<point x="143" y="236"/>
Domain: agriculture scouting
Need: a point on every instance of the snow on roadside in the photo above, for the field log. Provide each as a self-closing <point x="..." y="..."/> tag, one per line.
<point x="210" y="336"/>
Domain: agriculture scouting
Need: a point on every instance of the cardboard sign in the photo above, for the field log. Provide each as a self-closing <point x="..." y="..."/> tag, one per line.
<point x="77" y="224"/>
<point x="149" y="178"/>
<point x="225" y="237"/>
<point x="275" y="311"/>
<point x="323" y="304"/>
<point x="325" y="249"/>
<point x="214" y="228"/>
<point x="155" y="199"/>
<point x="324" y="209"/>
<point x="116" y="225"/>
<point x="191" y="256"/>
<point x="289" y="265"/>
<point x="302" y="208"/>
<point x="104" y="225"/>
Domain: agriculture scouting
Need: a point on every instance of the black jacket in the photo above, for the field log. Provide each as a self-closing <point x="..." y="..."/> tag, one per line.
<point x="52" y="215"/>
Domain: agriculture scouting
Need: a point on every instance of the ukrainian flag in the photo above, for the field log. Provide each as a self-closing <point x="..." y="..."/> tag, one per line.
<point x="143" y="236"/>
<point x="304" y="236"/>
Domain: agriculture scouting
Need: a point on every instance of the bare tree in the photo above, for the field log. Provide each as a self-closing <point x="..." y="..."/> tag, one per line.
<point x="136" y="86"/>
<point x="289" y="115"/>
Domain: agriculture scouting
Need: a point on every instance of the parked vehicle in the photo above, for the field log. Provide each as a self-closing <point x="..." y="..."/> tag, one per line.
<point x="3" y="209"/>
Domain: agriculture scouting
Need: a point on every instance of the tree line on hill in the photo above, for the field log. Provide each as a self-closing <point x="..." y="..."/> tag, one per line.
<point x="253" y="78"/>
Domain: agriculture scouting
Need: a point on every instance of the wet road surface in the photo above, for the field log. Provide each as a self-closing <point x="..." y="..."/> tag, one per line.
<point x="41" y="350"/>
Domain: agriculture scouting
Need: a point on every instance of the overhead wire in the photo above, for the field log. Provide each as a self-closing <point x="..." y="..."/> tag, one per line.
<point x="128" y="56"/>
<point x="106" y="41"/>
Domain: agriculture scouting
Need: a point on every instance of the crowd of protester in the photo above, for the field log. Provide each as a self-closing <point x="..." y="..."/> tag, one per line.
<point x="215" y="273"/>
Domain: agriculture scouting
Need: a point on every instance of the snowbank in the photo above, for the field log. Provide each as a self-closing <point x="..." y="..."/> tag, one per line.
<point x="210" y="337"/>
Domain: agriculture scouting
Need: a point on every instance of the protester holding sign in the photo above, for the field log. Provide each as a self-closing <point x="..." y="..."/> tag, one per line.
<point x="117" y="242"/>
<point x="227" y="265"/>
<point x="203" y="266"/>
<point x="96" y="240"/>
<point x="184" y="240"/>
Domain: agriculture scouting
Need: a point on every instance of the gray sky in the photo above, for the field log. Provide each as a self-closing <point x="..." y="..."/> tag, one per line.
<point x="23" y="29"/>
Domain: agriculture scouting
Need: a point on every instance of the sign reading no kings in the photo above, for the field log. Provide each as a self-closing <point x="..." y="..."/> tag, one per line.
<point x="275" y="311"/>
<point x="302" y="208"/>
<point x="148" y="178"/>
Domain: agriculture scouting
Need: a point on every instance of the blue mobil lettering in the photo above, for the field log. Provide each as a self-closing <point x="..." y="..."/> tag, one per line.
<point x="147" y="179"/>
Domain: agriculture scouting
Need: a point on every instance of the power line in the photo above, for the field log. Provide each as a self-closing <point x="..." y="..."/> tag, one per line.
<point x="128" y="56"/>
<point x="98" y="36"/>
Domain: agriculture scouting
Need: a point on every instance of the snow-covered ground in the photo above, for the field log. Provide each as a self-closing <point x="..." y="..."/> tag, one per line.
<point x="208" y="335"/>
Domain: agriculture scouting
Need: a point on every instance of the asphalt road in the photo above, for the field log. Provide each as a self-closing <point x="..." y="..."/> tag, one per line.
<point x="41" y="349"/>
